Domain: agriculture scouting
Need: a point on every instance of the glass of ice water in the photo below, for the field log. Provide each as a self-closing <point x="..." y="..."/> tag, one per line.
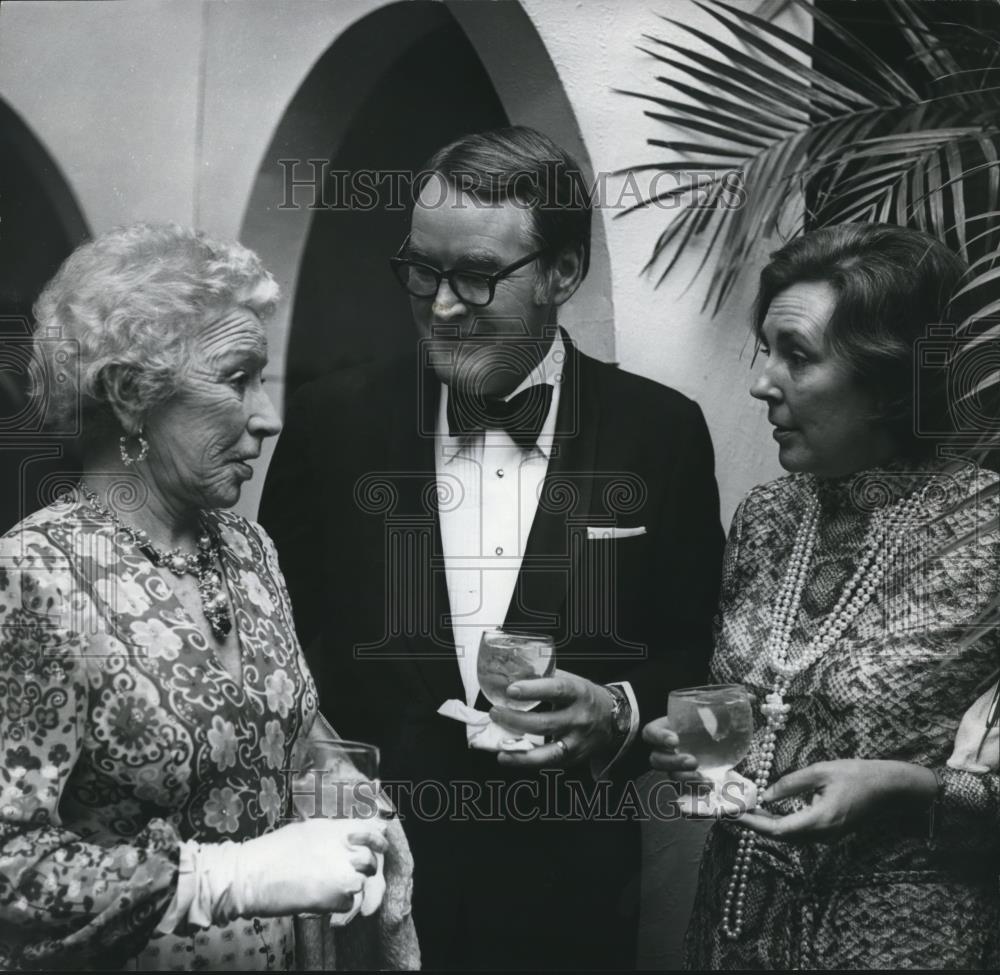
<point x="337" y="779"/>
<point x="714" y="723"/>
<point x="508" y="657"/>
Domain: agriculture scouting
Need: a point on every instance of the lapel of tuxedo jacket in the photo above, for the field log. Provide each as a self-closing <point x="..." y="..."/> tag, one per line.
<point x="431" y="644"/>
<point x="558" y="531"/>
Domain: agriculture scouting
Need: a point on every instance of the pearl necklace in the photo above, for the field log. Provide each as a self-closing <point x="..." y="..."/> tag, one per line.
<point x="201" y="566"/>
<point x="882" y="542"/>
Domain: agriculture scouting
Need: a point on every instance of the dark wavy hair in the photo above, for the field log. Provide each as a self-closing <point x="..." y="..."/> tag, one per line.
<point x="522" y="165"/>
<point x="892" y="285"/>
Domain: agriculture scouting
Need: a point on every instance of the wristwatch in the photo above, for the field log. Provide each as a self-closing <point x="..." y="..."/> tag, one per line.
<point x="621" y="711"/>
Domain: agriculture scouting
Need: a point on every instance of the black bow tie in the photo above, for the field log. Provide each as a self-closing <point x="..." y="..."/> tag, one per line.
<point x="522" y="416"/>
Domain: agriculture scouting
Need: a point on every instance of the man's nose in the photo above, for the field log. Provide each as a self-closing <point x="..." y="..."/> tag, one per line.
<point x="447" y="305"/>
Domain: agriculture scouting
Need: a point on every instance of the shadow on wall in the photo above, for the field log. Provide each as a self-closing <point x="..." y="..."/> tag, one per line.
<point x="348" y="308"/>
<point x="40" y="224"/>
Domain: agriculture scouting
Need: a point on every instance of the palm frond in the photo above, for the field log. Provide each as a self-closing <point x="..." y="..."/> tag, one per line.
<point x="813" y="134"/>
<point x="816" y="137"/>
<point x="892" y="83"/>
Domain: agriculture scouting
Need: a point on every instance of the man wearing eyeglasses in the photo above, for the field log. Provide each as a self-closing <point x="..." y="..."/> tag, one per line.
<point x="502" y="480"/>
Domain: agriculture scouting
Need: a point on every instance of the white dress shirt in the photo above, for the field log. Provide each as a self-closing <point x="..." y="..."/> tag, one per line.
<point x="488" y="489"/>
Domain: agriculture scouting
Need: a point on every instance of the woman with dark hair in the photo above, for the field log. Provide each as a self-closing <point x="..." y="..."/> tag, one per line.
<point x="876" y="840"/>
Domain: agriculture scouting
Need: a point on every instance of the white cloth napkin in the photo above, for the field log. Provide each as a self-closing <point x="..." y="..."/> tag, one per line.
<point x="977" y="750"/>
<point x="482" y="732"/>
<point x="735" y="794"/>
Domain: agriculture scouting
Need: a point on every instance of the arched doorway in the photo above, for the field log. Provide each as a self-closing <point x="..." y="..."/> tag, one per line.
<point x="394" y="86"/>
<point x="40" y="224"/>
<point x="347" y="306"/>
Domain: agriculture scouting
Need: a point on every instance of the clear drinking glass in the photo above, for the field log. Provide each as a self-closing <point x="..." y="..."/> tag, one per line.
<point x="714" y="723"/>
<point x="508" y="657"/>
<point x="337" y="779"/>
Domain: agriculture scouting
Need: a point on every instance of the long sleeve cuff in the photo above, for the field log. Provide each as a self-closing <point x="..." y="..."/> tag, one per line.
<point x="187" y="886"/>
<point x="599" y="766"/>
<point x="970" y="792"/>
<point x="208" y="887"/>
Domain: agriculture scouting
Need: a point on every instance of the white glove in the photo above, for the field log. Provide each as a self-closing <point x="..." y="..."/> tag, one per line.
<point x="366" y="902"/>
<point x="313" y="866"/>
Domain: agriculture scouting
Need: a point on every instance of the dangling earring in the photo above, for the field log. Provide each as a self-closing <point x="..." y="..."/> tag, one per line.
<point x="127" y="460"/>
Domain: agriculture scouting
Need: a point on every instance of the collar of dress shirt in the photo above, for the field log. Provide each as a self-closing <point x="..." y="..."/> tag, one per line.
<point x="549" y="370"/>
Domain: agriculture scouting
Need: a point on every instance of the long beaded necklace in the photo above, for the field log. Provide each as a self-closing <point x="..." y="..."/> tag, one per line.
<point x="201" y="566"/>
<point x="883" y="540"/>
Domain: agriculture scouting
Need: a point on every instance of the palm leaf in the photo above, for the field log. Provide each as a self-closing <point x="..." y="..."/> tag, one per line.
<point x="836" y="139"/>
<point x="764" y="121"/>
<point x="935" y="58"/>
<point x="757" y="73"/>
<point x="861" y="139"/>
<point x="825" y="82"/>
<point x="706" y="128"/>
<point x="760" y="133"/>
<point x="853" y="43"/>
<point x="743" y="99"/>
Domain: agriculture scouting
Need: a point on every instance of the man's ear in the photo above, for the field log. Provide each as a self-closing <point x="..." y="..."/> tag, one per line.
<point x="121" y="392"/>
<point x="564" y="276"/>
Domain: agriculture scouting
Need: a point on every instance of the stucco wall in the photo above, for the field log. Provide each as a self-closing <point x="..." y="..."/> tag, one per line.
<point x="111" y="90"/>
<point x="660" y="332"/>
<point x="163" y="109"/>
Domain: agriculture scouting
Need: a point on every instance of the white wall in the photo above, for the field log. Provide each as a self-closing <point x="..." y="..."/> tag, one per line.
<point x="162" y="110"/>
<point x="659" y="332"/>
<point x="111" y="91"/>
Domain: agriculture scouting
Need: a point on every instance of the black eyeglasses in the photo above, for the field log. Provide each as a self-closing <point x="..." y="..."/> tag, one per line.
<point x="474" y="288"/>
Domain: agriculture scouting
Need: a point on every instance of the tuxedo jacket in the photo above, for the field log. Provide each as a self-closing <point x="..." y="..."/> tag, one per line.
<point x="621" y="568"/>
<point x="351" y="502"/>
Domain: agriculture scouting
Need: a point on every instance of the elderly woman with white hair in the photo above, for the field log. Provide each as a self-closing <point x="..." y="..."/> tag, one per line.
<point x="151" y="685"/>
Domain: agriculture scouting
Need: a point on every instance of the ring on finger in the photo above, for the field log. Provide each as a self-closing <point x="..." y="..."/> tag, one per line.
<point x="563" y="747"/>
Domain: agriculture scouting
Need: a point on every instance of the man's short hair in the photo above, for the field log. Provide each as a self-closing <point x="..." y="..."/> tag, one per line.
<point x="519" y="164"/>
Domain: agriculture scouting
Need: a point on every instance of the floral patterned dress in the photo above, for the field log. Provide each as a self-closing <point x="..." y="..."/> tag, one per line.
<point x="122" y="734"/>
<point x="894" y="686"/>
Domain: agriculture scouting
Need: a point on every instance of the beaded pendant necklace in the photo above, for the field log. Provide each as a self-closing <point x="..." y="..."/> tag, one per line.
<point x="202" y="566"/>
<point x="883" y="540"/>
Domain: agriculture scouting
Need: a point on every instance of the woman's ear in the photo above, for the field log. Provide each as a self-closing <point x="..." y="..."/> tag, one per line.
<point x="122" y="395"/>
<point x="564" y="276"/>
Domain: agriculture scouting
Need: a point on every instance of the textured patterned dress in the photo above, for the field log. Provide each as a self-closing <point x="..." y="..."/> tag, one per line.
<point x="122" y="734"/>
<point x="894" y="686"/>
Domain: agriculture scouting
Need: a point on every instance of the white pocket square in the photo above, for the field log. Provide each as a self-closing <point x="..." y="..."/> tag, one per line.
<point x="610" y="533"/>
